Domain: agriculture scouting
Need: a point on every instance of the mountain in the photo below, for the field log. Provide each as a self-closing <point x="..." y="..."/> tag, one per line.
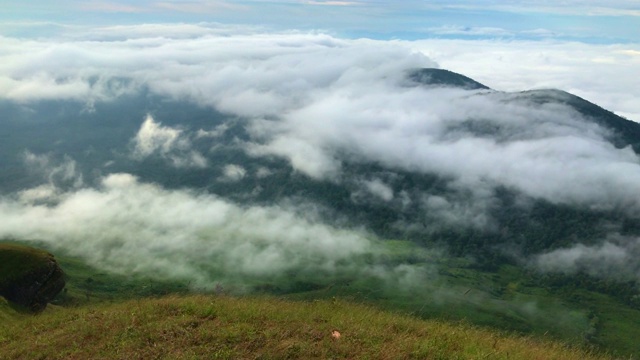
<point x="422" y="202"/>
<point x="423" y="190"/>
<point x="444" y="78"/>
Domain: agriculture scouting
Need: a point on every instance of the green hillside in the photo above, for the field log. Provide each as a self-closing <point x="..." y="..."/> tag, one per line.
<point x="592" y="323"/>
<point x="220" y="327"/>
<point x="103" y="315"/>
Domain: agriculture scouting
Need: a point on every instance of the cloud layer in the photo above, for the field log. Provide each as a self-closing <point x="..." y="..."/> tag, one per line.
<point x="322" y="104"/>
<point x="200" y="60"/>
<point x="598" y="73"/>
<point x="615" y="258"/>
<point x="319" y="101"/>
<point x="127" y="226"/>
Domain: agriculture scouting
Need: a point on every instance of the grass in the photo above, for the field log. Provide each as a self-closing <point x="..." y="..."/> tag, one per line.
<point x="506" y="300"/>
<point x="8" y="312"/>
<point x="220" y="327"/>
<point x="86" y="284"/>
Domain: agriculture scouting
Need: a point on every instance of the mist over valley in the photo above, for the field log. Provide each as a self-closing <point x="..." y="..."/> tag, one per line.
<point x="310" y="166"/>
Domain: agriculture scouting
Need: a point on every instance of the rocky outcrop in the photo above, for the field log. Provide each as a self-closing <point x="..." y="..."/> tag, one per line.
<point x="28" y="277"/>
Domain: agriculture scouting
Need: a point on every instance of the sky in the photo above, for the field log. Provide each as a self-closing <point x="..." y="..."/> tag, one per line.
<point x="590" y="21"/>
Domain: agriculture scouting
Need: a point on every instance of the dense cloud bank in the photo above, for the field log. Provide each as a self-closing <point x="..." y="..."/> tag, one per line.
<point x="322" y="104"/>
<point x="126" y="226"/>
<point x="615" y="258"/>
<point x="313" y="99"/>
<point x="603" y="74"/>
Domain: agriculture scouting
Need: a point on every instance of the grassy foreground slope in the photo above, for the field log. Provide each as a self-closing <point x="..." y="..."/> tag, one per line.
<point x="220" y="327"/>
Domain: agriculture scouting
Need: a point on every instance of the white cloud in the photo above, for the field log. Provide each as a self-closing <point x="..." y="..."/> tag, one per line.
<point x="570" y="66"/>
<point x="126" y="226"/>
<point x="472" y="31"/>
<point x="200" y="7"/>
<point x="153" y="137"/>
<point x="442" y="213"/>
<point x="305" y="157"/>
<point x="168" y="143"/>
<point x="233" y="172"/>
<point x="569" y="7"/>
<point x="614" y="258"/>
<point x="110" y="6"/>
<point x="56" y="172"/>
<point x="44" y="193"/>
<point x="207" y="60"/>
<point x="378" y="188"/>
<point x="263" y="172"/>
<point x="333" y="3"/>
<point x="321" y="102"/>
<point x="215" y="133"/>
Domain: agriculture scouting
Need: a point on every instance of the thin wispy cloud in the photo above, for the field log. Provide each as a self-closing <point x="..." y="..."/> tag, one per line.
<point x="473" y="31"/>
<point x="333" y="3"/>
<point x="112" y="7"/>
<point x="603" y="21"/>
<point x="209" y="6"/>
<point x="572" y="7"/>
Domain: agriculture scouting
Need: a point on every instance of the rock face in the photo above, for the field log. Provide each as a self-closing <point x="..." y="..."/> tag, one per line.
<point x="29" y="277"/>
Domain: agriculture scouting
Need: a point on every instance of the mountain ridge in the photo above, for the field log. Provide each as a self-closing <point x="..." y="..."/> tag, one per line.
<point x="479" y="199"/>
<point x="446" y="78"/>
<point x="347" y="195"/>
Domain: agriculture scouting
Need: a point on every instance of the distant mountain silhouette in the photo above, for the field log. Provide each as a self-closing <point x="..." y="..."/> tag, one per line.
<point x="440" y="77"/>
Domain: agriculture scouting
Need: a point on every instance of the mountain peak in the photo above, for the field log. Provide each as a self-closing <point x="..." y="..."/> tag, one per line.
<point x="444" y="78"/>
